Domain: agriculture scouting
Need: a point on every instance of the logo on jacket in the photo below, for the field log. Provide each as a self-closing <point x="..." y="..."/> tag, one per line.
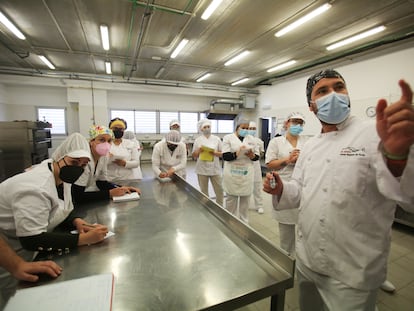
<point x="353" y="152"/>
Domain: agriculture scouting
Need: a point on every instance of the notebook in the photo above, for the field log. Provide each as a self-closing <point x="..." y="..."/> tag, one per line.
<point x="133" y="196"/>
<point x="92" y="293"/>
<point x="206" y="154"/>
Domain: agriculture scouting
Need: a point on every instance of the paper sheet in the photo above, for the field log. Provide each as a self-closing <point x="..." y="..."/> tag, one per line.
<point x="108" y="235"/>
<point x="92" y="293"/>
<point x="206" y="154"/>
<point x="133" y="196"/>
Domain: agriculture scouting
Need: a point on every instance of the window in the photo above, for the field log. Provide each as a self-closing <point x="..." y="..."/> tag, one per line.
<point x="55" y="116"/>
<point x="154" y="122"/>
<point x="127" y="115"/>
<point x="225" y="126"/>
<point x="146" y="122"/>
<point x="165" y="119"/>
<point x="220" y="126"/>
<point x="138" y="121"/>
<point x="188" y="121"/>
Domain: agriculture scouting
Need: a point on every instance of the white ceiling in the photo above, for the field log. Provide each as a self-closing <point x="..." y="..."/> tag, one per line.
<point x="143" y="34"/>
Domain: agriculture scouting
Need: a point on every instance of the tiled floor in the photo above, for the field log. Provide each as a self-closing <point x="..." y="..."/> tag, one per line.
<point x="400" y="262"/>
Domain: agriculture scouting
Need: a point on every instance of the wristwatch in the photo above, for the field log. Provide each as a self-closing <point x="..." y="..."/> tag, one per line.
<point x="371" y="112"/>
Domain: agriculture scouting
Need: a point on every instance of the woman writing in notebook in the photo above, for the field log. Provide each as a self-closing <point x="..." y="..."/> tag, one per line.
<point x="34" y="203"/>
<point x="93" y="184"/>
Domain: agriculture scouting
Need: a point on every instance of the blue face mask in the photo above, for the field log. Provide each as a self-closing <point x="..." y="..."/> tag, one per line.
<point x="252" y="132"/>
<point x="243" y="132"/>
<point x="296" y="129"/>
<point x="333" y="108"/>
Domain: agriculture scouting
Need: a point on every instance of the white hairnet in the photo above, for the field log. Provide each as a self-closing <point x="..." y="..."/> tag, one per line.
<point x="202" y="123"/>
<point x="129" y="135"/>
<point x="252" y="124"/>
<point x="241" y="121"/>
<point x="173" y="137"/>
<point x="295" y="115"/>
<point x="175" y="122"/>
<point x="74" y="146"/>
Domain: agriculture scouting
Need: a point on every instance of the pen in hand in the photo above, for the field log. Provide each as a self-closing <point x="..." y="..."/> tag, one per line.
<point x="88" y="225"/>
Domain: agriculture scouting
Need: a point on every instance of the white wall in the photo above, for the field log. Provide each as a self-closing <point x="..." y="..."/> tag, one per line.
<point x="367" y="81"/>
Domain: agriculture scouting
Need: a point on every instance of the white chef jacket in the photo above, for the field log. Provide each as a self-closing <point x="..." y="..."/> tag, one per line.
<point x="29" y="204"/>
<point x="127" y="151"/>
<point x="256" y="164"/>
<point x="279" y="148"/>
<point x="163" y="159"/>
<point x="204" y="167"/>
<point x="92" y="173"/>
<point x="347" y="201"/>
<point x="239" y="181"/>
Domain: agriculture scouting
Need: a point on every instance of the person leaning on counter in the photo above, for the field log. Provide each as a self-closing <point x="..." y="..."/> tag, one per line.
<point x="34" y="203"/>
<point x="92" y="185"/>
<point x="346" y="183"/>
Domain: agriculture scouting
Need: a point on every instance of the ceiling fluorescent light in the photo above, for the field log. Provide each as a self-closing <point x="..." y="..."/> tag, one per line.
<point x="178" y="49"/>
<point x="240" y="81"/>
<point x="108" y="68"/>
<point x="160" y="72"/>
<point x="211" y="8"/>
<point x="236" y="58"/>
<point x="356" y="38"/>
<point x="281" y="66"/>
<point x="203" y="77"/>
<point x="6" y="22"/>
<point x="105" y="37"/>
<point x="46" y="61"/>
<point x="303" y="19"/>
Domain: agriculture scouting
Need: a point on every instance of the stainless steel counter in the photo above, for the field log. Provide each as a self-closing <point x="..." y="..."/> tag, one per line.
<point x="174" y="249"/>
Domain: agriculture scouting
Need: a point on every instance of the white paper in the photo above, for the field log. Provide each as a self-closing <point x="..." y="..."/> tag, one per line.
<point x="127" y="197"/>
<point x="92" y="293"/>
<point x="108" y="234"/>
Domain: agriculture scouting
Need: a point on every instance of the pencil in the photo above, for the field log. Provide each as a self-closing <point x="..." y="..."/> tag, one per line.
<point x="88" y="225"/>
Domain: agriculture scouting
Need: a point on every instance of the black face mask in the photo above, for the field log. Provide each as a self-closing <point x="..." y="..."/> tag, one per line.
<point x="118" y="133"/>
<point x="70" y="173"/>
<point x="172" y="147"/>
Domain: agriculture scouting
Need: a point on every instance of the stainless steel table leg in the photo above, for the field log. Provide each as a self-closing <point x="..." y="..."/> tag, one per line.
<point x="277" y="302"/>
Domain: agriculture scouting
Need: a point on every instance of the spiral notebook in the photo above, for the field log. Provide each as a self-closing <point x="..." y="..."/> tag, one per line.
<point x="92" y="293"/>
<point x="133" y="196"/>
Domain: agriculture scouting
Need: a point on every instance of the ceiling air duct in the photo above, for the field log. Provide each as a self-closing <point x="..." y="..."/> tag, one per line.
<point x="223" y="109"/>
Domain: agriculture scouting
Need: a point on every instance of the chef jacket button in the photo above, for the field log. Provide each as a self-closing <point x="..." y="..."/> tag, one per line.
<point x="49" y="249"/>
<point x="40" y="248"/>
<point x="67" y="251"/>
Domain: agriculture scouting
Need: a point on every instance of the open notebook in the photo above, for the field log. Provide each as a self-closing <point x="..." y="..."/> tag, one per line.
<point x="127" y="197"/>
<point x="92" y="293"/>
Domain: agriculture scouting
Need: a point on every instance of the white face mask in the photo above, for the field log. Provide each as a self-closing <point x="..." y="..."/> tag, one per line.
<point x="333" y="108"/>
<point x="206" y="131"/>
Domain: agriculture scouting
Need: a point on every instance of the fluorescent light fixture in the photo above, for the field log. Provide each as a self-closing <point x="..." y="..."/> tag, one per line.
<point x="240" y="81"/>
<point x="46" y="61"/>
<point x="211" y="8"/>
<point x="203" y="77"/>
<point x="108" y="67"/>
<point x="303" y="19"/>
<point x="6" y="22"/>
<point x="236" y="58"/>
<point x="160" y="72"/>
<point x="360" y="36"/>
<point x="178" y="49"/>
<point x="105" y="37"/>
<point x="281" y="66"/>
